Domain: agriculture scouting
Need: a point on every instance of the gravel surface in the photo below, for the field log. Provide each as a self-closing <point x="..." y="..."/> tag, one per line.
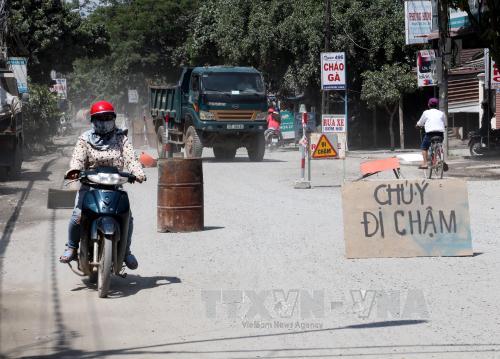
<point x="266" y="279"/>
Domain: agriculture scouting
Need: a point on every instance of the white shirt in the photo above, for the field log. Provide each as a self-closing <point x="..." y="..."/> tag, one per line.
<point x="433" y="120"/>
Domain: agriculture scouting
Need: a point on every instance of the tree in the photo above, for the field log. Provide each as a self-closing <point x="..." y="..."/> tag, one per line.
<point x="144" y="40"/>
<point x="40" y="115"/>
<point x="385" y="87"/>
<point x="52" y="36"/>
<point x="485" y="19"/>
<point x="282" y="38"/>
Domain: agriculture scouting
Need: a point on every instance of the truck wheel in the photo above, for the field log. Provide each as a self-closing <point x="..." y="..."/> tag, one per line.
<point x="161" y="140"/>
<point x="224" y="154"/>
<point x="192" y="146"/>
<point x="257" y="148"/>
<point x="15" y="170"/>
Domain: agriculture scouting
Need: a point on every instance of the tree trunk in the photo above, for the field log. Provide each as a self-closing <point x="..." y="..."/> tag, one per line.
<point x="392" y="113"/>
<point x="401" y="124"/>
<point x="374" y="127"/>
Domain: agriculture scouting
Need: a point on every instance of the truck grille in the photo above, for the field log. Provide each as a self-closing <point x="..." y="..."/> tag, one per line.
<point x="234" y="115"/>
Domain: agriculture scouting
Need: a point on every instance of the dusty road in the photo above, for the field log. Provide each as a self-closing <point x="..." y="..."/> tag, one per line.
<point x="266" y="279"/>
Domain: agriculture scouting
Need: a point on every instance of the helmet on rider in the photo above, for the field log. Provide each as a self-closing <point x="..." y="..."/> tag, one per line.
<point x="102" y="116"/>
<point x="433" y="102"/>
<point x="102" y="109"/>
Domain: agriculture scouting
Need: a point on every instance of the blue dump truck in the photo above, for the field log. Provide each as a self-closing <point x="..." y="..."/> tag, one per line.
<point x="221" y="107"/>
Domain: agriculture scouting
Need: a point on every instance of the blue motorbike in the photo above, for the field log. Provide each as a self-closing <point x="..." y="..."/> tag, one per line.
<point x="104" y="225"/>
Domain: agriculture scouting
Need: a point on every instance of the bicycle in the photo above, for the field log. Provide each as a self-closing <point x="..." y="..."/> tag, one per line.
<point x="436" y="154"/>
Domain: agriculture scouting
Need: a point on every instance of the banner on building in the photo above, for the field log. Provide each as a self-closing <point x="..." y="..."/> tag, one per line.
<point x="418" y="21"/>
<point x="18" y="66"/>
<point x="333" y="71"/>
<point x="426" y="68"/>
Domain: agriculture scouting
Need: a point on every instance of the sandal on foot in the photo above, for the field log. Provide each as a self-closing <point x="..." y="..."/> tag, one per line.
<point x="68" y="255"/>
<point x="131" y="262"/>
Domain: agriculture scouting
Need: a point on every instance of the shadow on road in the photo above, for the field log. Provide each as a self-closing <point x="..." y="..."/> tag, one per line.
<point x="130" y="285"/>
<point x="5" y="191"/>
<point x="212" y="228"/>
<point x="151" y="350"/>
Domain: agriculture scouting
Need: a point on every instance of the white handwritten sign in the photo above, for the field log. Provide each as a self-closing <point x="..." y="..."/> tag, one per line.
<point x="406" y="218"/>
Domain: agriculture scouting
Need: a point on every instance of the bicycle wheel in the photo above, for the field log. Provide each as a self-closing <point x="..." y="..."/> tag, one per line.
<point x="439" y="156"/>
<point x="432" y="160"/>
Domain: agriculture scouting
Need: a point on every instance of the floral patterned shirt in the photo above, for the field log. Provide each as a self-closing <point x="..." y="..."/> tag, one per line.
<point x="120" y="154"/>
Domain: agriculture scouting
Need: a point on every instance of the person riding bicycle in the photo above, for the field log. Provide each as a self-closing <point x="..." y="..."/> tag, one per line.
<point x="103" y="145"/>
<point x="433" y="122"/>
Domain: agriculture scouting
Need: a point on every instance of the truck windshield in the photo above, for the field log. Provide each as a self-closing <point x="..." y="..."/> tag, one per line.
<point x="228" y="82"/>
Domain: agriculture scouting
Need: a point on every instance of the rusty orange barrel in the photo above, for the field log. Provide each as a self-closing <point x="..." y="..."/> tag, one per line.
<point x="180" y="195"/>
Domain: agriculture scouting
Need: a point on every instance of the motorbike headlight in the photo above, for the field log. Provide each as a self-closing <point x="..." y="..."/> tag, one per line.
<point x="110" y="179"/>
<point x="206" y="116"/>
<point x="261" y="116"/>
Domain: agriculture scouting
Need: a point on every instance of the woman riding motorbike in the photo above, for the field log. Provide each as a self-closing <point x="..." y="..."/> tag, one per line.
<point x="273" y="124"/>
<point x="103" y="145"/>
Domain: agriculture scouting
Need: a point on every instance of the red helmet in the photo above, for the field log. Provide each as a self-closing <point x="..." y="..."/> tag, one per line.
<point x="102" y="107"/>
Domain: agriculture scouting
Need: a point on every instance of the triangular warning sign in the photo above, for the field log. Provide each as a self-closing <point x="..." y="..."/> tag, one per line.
<point x="324" y="149"/>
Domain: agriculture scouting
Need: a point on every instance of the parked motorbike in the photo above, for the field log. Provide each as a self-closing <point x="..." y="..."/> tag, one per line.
<point x="273" y="139"/>
<point x="478" y="144"/>
<point x="104" y="225"/>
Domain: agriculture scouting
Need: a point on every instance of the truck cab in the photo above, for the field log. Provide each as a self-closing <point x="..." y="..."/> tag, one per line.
<point x="222" y="107"/>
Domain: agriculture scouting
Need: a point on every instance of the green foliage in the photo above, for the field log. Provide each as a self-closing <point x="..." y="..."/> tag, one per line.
<point x="40" y="115"/>
<point x="281" y="38"/>
<point x="284" y="38"/>
<point x="144" y="40"/>
<point x="52" y="36"/>
<point x="384" y="87"/>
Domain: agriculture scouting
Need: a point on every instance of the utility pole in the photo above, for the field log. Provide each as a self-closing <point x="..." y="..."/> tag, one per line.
<point x="444" y="53"/>
<point x="326" y="28"/>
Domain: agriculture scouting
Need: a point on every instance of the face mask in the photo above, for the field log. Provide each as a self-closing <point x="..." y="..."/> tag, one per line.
<point x="102" y="127"/>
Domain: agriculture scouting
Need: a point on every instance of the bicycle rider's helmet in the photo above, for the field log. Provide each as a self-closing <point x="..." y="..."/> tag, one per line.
<point x="433" y="102"/>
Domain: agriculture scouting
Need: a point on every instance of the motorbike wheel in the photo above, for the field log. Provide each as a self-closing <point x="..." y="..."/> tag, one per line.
<point x="476" y="149"/>
<point x="105" y="267"/>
